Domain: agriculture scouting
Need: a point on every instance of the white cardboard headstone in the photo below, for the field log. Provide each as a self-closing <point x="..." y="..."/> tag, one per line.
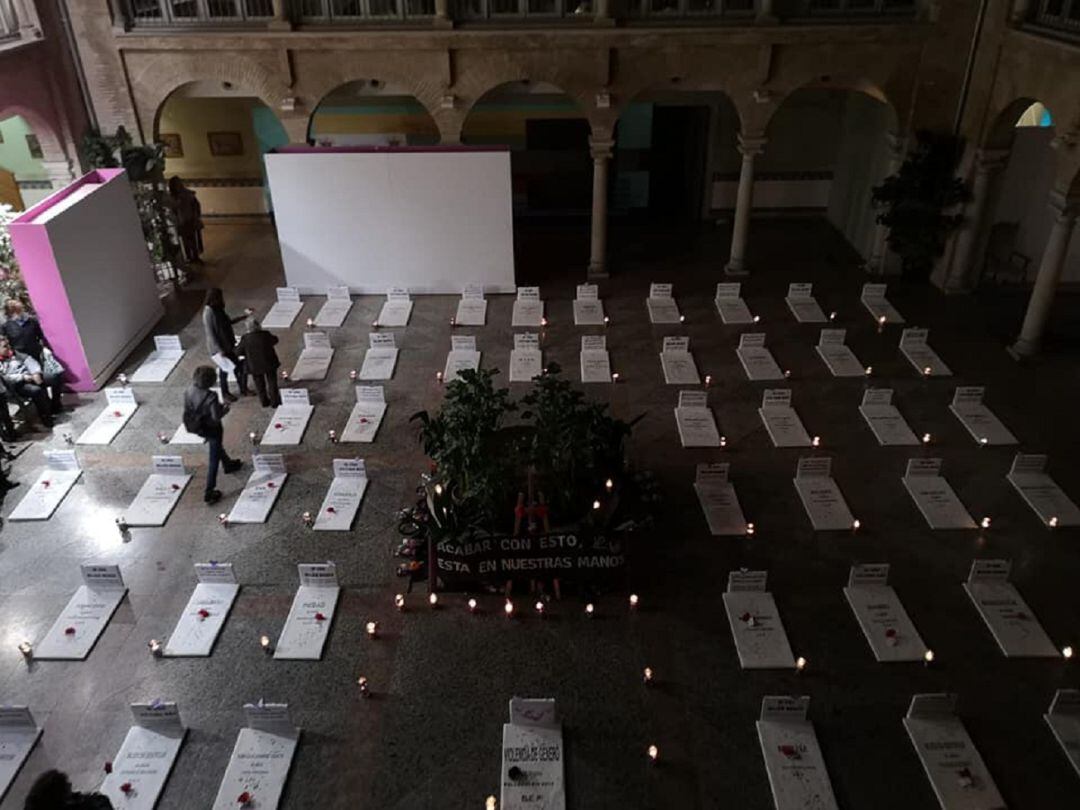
<point x="284" y="311"/>
<point x="314" y="361"/>
<point x="160" y="362"/>
<point x="756" y="360"/>
<point x="782" y="422"/>
<point x="759" y="634"/>
<point x="914" y="347"/>
<point x="528" y="307"/>
<point x="730" y="305"/>
<point x="1063" y="718"/>
<point x="1015" y="628"/>
<point x="839" y="358"/>
<point x="311" y="614"/>
<point x="662" y="307"/>
<point x="120" y="407"/>
<point x="380" y="358"/>
<point x="718" y="500"/>
<point x="159" y="494"/>
<point x="595" y="362"/>
<point x="50" y="488"/>
<point x="472" y="308"/>
<point x="537" y="752"/>
<point x="333" y="313"/>
<point x="588" y="308"/>
<point x="820" y="495"/>
<point x="261" y="491"/>
<point x="342" y="501"/>
<point x="873" y="298"/>
<point x="396" y="309"/>
<point x="366" y="416"/>
<point x="677" y="362"/>
<point x="798" y="777"/>
<point x="290" y="418"/>
<point x="205" y="612"/>
<point x="934" y="496"/>
<point x="888" y="628"/>
<point x="885" y="420"/>
<point x="19" y="734"/>
<point x="526" y="359"/>
<point x="1028" y="475"/>
<point x="984" y="427"/>
<point x="85" y="616"/>
<point x="695" y="420"/>
<point x="800" y="300"/>
<point x="462" y="356"/>
<point x="146" y="757"/>
<point x="261" y="759"/>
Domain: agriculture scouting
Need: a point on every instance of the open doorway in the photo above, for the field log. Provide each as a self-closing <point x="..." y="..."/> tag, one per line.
<point x="677" y="158"/>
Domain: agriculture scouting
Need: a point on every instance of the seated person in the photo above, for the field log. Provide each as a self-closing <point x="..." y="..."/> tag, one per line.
<point x="22" y="376"/>
<point x="24" y="333"/>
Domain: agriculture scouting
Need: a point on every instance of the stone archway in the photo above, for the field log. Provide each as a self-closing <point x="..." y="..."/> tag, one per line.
<point x="371" y="112"/>
<point x="57" y="164"/>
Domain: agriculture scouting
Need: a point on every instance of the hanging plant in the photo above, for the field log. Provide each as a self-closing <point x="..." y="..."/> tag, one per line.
<point x="11" y="280"/>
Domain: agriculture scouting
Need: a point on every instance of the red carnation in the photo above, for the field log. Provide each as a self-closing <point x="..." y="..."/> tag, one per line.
<point x="789" y="751"/>
<point x="278" y="426"/>
<point x="244" y="799"/>
<point x="126" y="788"/>
<point x="175" y="487"/>
<point x="117" y="414"/>
<point x="69" y="631"/>
<point x="108" y="767"/>
<point x="331" y="510"/>
<point x="319" y="617"/>
<point x="204" y="613"/>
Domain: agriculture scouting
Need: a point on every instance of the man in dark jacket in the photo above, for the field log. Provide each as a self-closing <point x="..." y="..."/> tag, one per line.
<point x="52" y="791"/>
<point x="261" y="361"/>
<point x="221" y="340"/>
<point x="24" y="333"/>
<point x="203" y="415"/>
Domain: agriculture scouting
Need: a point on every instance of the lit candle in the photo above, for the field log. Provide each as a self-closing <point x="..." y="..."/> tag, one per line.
<point x="252" y="437"/>
<point x="362" y="682"/>
<point x="123" y="379"/>
<point x="284" y="374"/>
<point x="634" y="601"/>
<point x="682" y="319"/>
<point x="787" y="373"/>
<point x="223" y="519"/>
<point x="648" y="675"/>
<point x="26" y="649"/>
<point x="614" y="376"/>
<point x="399" y="601"/>
<point x="438" y="489"/>
<point x="832" y="316"/>
<point x="264" y="642"/>
<point x="163" y="438"/>
<point x="472" y="605"/>
<point x="800" y="664"/>
<point x="654" y="753"/>
<point x="855" y="525"/>
<point x="928" y="657"/>
<point x="122" y="525"/>
<point x="1052" y="522"/>
<point x="985" y="523"/>
<point x="590" y="609"/>
<point x="508" y="609"/>
<point x="609" y="485"/>
<point x="490" y="803"/>
<point x="306" y="517"/>
<point x="926" y="371"/>
<point x="544" y="321"/>
<point x="881" y="320"/>
<point x="372" y="629"/>
<point x="596" y="504"/>
<point x="433" y="600"/>
<point x="723" y="441"/>
<point x="869" y="370"/>
<point x="539" y="608"/>
<point x="816" y="441"/>
<point x="607" y="320"/>
<point x="310" y="322"/>
<point x="926" y="438"/>
<point x="983" y="441"/>
<point x="749" y="528"/>
<point x="353" y="374"/>
<point x="1066" y="652"/>
<point x="438" y="376"/>
<point x="332" y="435"/>
<point x="708" y="380"/>
<point x="757" y="319"/>
<point x="155" y="647"/>
<point x="375" y="324"/>
<point x="453" y="321"/>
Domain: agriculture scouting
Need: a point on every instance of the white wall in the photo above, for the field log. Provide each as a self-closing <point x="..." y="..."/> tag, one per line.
<point x="103" y="260"/>
<point x="431" y="221"/>
<point x="1024" y="198"/>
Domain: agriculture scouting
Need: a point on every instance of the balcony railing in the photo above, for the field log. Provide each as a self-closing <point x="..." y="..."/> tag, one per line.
<point x="472" y="10"/>
<point x="1059" y="15"/>
<point x="853" y="9"/>
<point x="683" y="9"/>
<point x="223" y="13"/>
<point x="351" y="12"/>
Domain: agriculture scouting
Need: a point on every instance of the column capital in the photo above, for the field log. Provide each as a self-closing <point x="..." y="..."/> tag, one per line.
<point x="601" y="148"/>
<point x="751" y="145"/>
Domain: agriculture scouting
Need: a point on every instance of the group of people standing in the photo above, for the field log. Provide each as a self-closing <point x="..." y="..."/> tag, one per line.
<point x="254" y="355"/>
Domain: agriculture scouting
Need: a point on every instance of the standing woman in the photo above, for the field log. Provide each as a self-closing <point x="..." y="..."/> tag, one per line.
<point x="221" y="340"/>
<point x="203" y="415"/>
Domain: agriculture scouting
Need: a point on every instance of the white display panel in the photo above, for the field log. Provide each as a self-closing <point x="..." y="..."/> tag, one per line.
<point x="261" y="758"/>
<point x="793" y="760"/>
<point x="50" y="488"/>
<point x="76" y="630"/>
<point x="888" y="628"/>
<point x="760" y="639"/>
<point x="1008" y="617"/>
<point x="159" y="494"/>
<point x="19" y="734"/>
<point x="954" y="767"/>
<point x="1055" y="508"/>
<point x="159" y="365"/>
<point x="205" y="612"/>
<point x="145" y="760"/>
<point x="431" y="219"/>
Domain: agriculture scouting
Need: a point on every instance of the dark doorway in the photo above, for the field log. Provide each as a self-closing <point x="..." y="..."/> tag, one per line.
<point x="677" y="162"/>
<point x="555" y="168"/>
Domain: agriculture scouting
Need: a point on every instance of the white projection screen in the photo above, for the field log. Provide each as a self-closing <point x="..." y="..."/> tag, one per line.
<point x="429" y="219"/>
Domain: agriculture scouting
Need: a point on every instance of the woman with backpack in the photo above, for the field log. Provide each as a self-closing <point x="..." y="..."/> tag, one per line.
<point x="203" y="415"/>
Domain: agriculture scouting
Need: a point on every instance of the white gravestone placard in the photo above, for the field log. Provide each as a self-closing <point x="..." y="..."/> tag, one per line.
<point x="52" y="485"/>
<point x="588" y="308"/>
<point x="730" y="305"/>
<point x="1015" y="628"/>
<point x="800" y="300"/>
<point x="595" y="361"/>
<point x="756" y="360"/>
<point x="396" y="309"/>
<point x="934" y="496"/>
<point x="888" y="628"/>
<point x="461" y="357"/>
<point x="984" y="427"/>
<point x="472" y="308"/>
<point x="120" y="407"/>
<point x="841" y="361"/>
<point x="873" y="298"/>
<point x="526" y="360"/>
<point x="677" y="362"/>
<point x="887" y="423"/>
<point x="798" y="777"/>
<point x="781" y="420"/>
<point x="85" y="616"/>
<point x="285" y="309"/>
<point x="914" y="347"/>
<point x="533" y="744"/>
<point x="261" y="759"/>
<point x="1063" y="718"/>
<point x="367" y="414"/>
<point x="820" y="495"/>
<point x="759" y="634"/>
<point x="380" y="358"/>
<point x="18" y="735"/>
<point x="528" y="308"/>
<point x="311" y="614"/>
<point x="695" y="421"/>
<point x="1028" y="474"/>
<point x="159" y="365"/>
<point x="142" y="766"/>
<point x="332" y="314"/>
<point x="290" y="418"/>
<point x="261" y="491"/>
<point x="718" y="500"/>
<point x="342" y="500"/>
<point x="954" y="767"/>
<point x="314" y="361"/>
<point x="159" y="494"/>
<point x="183" y="436"/>
<point x="205" y="612"/>
<point x="661" y="305"/>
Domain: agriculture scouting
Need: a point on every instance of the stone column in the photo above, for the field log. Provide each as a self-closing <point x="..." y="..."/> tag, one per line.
<point x="1046" y="282"/>
<point x="442" y="14"/>
<point x="1020" y="11"/>
<point x="600" y="149"/>
<point x="969" y="242"/>
<point x="765" y="13"/>
<point x="281" y="21"/>
<point x="602" y="14"/>
<point x="879" y="251"/>
<point x="750" y="147"/>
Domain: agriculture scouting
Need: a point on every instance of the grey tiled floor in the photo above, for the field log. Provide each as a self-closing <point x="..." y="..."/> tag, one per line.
<point x="430" y="738"/>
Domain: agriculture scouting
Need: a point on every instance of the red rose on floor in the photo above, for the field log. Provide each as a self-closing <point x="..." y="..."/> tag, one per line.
<point x="270" y="484"/>
<point x="319" y="617"/>
<point x="363" y="420"/>
<point x="117" y="414"/>
<point x="278" y="426"/>
<point x="126" y="788"/>
<point x="175" y="487"/>
<point x="46" y="483"/>
<point x="331" y="510"/>
<point x="244" y="798"/>
<point x="69" y="631"/>
<point x="108" y="767"/>
<point x="204" y="613"/>
<point x="890" y="633"/>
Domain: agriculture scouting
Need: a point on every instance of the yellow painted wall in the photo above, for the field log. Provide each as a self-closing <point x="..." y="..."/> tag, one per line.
<point x="193" y="118"/>
<point x="331" y="123"/>
<point x="495" y="125"/>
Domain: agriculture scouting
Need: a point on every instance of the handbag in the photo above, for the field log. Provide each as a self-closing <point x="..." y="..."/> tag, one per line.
<point x="50" y="366"/>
